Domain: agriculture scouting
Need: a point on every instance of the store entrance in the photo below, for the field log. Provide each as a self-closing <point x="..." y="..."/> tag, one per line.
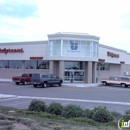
<point x="73" y="76"/>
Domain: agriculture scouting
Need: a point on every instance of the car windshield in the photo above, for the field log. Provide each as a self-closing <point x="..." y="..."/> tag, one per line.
<point x="112" y="78"/>
<point x="24" y="75"/>
<point x="36" y="76"/>
<point x="116" y="78"/>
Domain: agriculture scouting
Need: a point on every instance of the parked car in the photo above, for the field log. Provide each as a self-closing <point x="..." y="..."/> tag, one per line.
<point x="24" y="79"/>
<point x="45" y="79"/>
<point x="124" y="81"/>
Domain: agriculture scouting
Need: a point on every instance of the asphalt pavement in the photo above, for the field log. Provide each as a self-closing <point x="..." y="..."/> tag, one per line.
<point x="2" y="96"/>
<point x="66" y="84"/>
<point x="19" y="96"/>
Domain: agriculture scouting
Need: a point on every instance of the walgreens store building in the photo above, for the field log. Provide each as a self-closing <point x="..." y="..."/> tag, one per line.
<point x="75" y="57"/>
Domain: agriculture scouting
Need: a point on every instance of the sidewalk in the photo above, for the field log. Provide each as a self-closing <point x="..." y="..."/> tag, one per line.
<point x="6" y="96"/>
<point x="66" y="84"/>
<point x="5" y="80"/>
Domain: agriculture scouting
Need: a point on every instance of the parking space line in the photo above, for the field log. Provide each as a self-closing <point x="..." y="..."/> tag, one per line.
<point x="66" y="99"/>
<point x="77" y="100"/>
<point x="6" y="99"/>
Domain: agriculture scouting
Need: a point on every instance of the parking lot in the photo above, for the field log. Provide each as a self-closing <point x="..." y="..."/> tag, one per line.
<point x="19" y="96"/>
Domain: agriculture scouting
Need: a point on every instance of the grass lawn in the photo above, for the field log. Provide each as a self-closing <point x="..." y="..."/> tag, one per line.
<point x="14" y="119"/>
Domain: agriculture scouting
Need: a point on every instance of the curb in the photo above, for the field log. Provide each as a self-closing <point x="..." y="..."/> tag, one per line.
<point x="5" y="80"/>
<point x="5" y="96"/>
<point x="82" y="85"/>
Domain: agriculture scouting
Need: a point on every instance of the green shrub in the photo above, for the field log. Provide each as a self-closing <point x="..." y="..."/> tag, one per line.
<point x="55" y="108"/>
<point x="116" y="115"/>
<point x="127" y="112"/>
<point x="72" y="111"/>
<point x="2" y="117"/>
<point x="88" y="113"/>
<point x="126" y="117"/>
<point x="101" y="114"/>
<point x="37" y="105"/>
<point x="99" y="108"/>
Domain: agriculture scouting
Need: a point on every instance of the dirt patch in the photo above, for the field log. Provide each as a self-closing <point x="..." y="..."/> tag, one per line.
<point x="53" y="126"/>
<point x="19" y="126"/>
<point x="10" y="122"/>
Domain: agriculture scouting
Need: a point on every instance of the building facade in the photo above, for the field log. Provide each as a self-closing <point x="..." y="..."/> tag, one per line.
<point x="75" y="57"/>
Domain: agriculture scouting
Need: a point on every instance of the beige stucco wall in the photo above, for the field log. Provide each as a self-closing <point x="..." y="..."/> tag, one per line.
<point x="115" y="70"/>
<point x="31" y="49"/>
<point x="123" y="55"/>
<point x="124" y="68"/>
<point x="8" y="73"/>
<point x="102" y="74"/>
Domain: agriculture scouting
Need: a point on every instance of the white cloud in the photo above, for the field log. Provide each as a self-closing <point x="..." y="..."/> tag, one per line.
<point x="1" y="1"/>
<point x="102" y="18"/>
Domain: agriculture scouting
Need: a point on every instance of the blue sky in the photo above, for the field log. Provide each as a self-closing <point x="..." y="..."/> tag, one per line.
<point x="29" y="20"/>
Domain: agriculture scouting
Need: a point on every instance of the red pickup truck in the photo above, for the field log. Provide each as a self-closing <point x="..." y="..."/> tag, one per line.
<point x="24" y="79"/>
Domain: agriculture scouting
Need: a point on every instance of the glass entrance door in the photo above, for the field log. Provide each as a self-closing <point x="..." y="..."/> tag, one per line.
<point x="74" y="75"/>
<point x="78" y="76"/>
<point x="67" y="76"/>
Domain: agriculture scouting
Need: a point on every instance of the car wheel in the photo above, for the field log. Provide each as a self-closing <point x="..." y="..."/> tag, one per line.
<point x="60" y="83"/>
<point x="44" y="85"/>
<point x="25" y="82"/>
<point x="35" y="86"/>
<point x="17" y="83"/>
<point x="104" y="83"/>
<point x="123" y="85"/>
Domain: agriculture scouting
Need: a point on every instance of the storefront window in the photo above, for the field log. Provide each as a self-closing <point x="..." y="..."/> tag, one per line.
<point x="27" y="64"/>
<point x="19" y="64"/>
<point x="36" y="64"/>
<point x="1" y="64"/>
<point x="33" y="64"/>
<point x="6" y="64"/>
<point x="83" y="48"/>
<point x="74" y="65"/>
<point x="30" y="64"/>
<point x="55" y="47"/>
<point x="76" y="48"/>
<point x="65" y="47"/>
<point x="73" y="48"/>
<point x="43" y="65"/>
<point x="103" y="66"/>
<point x="13" y="64"/>
<point x="95" y="49"/>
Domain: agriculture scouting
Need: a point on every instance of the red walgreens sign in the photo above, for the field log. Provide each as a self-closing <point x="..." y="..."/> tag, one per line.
<point x="112" y="54"/>
<point x="101" y="60"/>
<point x="36" y="58"/>
<point x="11" y="50"/>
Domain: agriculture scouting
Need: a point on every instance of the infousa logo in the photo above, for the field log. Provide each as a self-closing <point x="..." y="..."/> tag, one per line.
<point x="122" y="125"/>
